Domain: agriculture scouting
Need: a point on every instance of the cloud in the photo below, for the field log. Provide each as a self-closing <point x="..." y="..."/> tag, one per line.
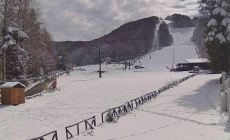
<point x="89" y="19"/>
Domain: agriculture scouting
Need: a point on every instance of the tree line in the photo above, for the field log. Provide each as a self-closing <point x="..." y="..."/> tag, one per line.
<point x="27" y="47"/>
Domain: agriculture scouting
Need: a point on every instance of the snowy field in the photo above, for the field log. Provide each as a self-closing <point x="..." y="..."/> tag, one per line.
<point x="193" y="105"/>
<point x="189" y="111"/>
<point x="81" y="96"/>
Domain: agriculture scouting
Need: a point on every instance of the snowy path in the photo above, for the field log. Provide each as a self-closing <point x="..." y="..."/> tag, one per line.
<point x="188" y="111"/>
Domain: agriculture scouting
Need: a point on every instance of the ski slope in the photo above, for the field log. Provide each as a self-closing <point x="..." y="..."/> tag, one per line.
<point x="182" y="46"/>
<point x="83" y="95"/>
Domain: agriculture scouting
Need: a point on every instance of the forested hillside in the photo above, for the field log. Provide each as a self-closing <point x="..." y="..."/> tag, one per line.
<point x="181" y="21"/>
<point x="128" y="41"/>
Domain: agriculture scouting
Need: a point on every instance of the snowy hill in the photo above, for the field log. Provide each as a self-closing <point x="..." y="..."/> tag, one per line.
<point x="83" y="95"/>
<point x="128" y="40"/>
<point x="182" y="47"/>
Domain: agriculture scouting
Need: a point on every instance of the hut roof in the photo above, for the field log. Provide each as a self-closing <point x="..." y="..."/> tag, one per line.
<point x="197" y="60"/>
<point x="13" y="84"/>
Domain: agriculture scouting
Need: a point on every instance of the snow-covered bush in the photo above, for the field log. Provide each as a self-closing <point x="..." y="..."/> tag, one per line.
<point x="109" y="116"/>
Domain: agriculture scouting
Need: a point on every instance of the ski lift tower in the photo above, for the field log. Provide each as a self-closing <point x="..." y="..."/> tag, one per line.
<point x="129" y="63"/>
<point x="99" y="58"/>
<point x="99" y="48"/>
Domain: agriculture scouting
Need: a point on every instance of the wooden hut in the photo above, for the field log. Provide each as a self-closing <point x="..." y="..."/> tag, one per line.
<point x="13" y="93"/>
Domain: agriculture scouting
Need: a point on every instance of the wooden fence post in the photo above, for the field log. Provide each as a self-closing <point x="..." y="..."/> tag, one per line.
<point x="94" y="121"/>
<point x="102" y="118"/>
<point x="55" y="136"/>
<point x="136" y="102"/>
<point x="66" y="133"/>
<point x="78" y="131"/>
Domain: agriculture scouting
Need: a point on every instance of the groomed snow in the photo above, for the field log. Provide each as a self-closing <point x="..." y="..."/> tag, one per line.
<point x="187" y="112"/>
<point x="83" y="95"/>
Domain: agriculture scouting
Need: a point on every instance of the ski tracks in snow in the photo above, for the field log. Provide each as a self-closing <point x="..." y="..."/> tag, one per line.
<point x="168" y="111"/>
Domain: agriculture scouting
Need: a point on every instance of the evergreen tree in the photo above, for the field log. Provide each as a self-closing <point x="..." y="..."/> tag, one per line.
<point x="16" y="56"/>
<point x="206" y="7"/>
<point x="218" y="33"/>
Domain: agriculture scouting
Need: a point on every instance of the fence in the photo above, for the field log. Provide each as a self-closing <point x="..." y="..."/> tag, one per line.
<point x="124" y="109"/>
<point x="93" y="122"/>
<point x="117" y="111"/>
<point x="49" y="85"/>
<point x="225" y="94"/>
<point x="54" y="137"/>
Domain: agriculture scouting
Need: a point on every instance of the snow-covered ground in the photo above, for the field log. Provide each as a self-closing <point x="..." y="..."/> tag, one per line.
<point x="186" y="112"/>
<point x="83" y="95"/>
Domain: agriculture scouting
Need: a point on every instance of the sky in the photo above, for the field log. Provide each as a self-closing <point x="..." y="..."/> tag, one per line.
<point x="85" y="20"/>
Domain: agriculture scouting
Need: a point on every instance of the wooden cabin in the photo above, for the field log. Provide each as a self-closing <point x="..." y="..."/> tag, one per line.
<point x="12" y="93"/>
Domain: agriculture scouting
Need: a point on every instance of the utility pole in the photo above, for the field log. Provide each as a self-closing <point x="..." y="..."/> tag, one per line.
<point x="99" y="62"/>
<point x="40" y="87"/>
<point x="129" y="64"/>
<point x="140" y="60"/>
<point x="173" y="60"/>
<point x="4" y="65"/>
<point x="54" y="64"/>
<point x="125" y="64"/>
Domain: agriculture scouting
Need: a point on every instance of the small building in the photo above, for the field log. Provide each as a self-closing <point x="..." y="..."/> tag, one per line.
<point x="201" y="63"/>
<point x="109" y="60"/>
<point x="12" y="93"/>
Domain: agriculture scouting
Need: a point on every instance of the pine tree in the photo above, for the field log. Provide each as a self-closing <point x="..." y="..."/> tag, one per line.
<point x="218" y="33"/>
<point x="206" y="7"/>
<point x="16" y="56"/>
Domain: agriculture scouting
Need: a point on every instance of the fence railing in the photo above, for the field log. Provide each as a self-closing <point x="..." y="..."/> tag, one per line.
<point x="88" y="125"/>
<point x="54" y="137"/>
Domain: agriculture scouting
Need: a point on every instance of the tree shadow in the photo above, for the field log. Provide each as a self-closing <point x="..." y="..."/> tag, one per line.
<point x="227" y="128"/>
<point x="206" y="98"/>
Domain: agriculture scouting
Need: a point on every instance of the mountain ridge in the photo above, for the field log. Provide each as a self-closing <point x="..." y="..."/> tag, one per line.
<point x="127" y="41"/>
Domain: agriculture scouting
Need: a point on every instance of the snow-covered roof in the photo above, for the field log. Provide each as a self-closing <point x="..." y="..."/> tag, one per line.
<point x="197" y="60"/>
<point x="12" y="84"/>
<point x="167" y="21"/>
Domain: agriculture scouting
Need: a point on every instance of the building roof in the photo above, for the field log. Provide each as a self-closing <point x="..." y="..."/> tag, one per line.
<point x="12" y="84"/>
<point x="197" y="60"/>
<point x="182" y="63"/>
